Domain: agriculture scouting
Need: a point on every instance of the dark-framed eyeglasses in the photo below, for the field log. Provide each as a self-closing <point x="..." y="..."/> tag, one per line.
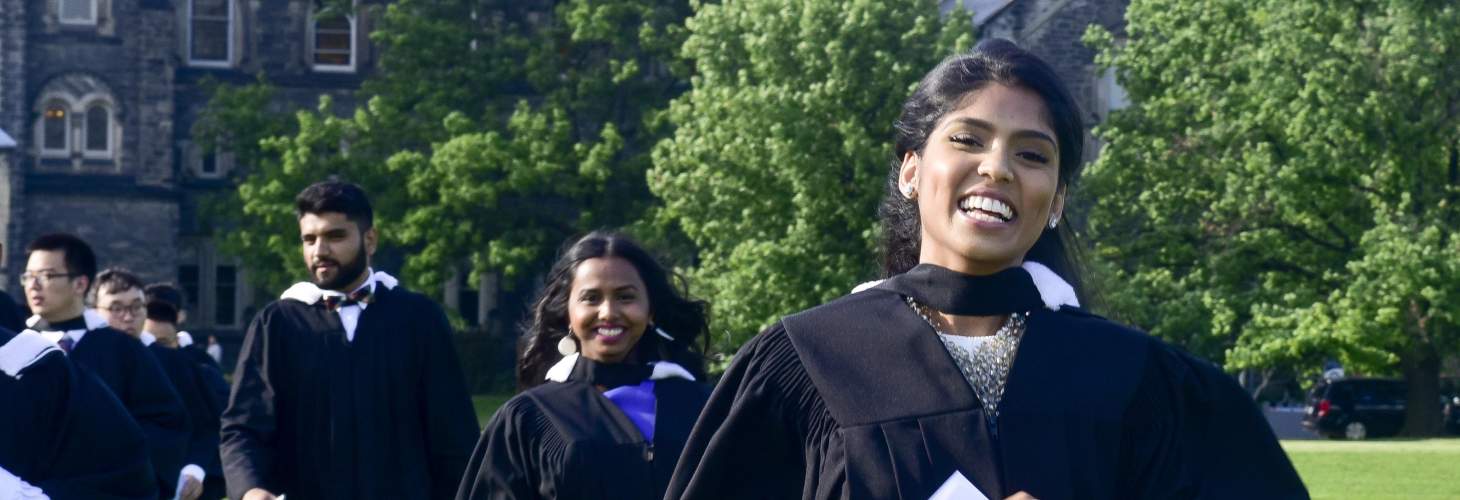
<point x="44" y="279"/>
<point x="135" y="309"/>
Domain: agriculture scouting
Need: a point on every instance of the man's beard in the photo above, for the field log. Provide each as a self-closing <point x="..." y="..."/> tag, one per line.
<point x="347" y="272"/>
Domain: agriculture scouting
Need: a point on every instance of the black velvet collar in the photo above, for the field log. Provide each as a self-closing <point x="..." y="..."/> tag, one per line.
<point x="1009" y="291"/>
<point x="610" y="375"/>
<point x="77" y="323"/>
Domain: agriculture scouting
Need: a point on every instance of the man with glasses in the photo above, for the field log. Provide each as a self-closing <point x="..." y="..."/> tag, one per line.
<point x="348" y="387"/>
<point x="59" y="271"/>
<point x="119" y="297"/>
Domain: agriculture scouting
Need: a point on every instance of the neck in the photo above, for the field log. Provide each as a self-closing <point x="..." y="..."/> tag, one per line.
<point x="972" y="326"/>
<point x="64" y="314"/>
<point x="963" y="264"/>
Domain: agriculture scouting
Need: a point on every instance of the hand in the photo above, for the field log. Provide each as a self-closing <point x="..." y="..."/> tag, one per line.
<point x="191" y="489"/>
<point x="258" y="494"/>
<point x="1021" y="496"/>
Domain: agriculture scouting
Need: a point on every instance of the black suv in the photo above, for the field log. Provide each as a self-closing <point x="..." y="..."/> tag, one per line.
<point x="1356" y="408"/>
<point x="1450" y="399"/>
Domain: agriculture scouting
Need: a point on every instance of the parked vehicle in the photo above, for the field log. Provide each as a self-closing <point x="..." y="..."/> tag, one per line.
<point x="1450" y="390"/>
<point x="1357" y="408"/>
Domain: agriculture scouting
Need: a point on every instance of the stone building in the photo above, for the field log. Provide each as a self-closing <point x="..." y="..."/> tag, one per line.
<point x="1053" y="29"/>
<point x="99" y="97"/>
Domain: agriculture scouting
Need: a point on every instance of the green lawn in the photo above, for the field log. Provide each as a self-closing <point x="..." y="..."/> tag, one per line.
<point x="486" y="405"/>
<point x="1427" y="468"/>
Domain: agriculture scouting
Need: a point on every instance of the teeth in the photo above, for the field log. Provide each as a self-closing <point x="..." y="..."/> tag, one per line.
<point x="987" y="204"/>
<point x="611" y="332"/>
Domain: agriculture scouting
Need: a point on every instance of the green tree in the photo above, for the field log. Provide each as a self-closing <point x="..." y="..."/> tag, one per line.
<point x="490" y="132"/>
<point x="782" y="145"/>
<point x="1284" y="185"/>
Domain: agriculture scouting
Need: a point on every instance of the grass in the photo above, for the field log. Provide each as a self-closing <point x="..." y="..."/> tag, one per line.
<point x="487" y="404"/>
<point x="1391" y="468"/>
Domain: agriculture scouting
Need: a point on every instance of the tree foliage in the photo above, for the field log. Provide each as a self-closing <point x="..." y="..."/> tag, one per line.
<point x="1283" y="188"/>
<point x="490" y="132"/>
<point x="782" y="146"/>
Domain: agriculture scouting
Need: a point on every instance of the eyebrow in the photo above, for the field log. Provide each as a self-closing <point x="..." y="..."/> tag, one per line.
<point x="1035" y="134"/>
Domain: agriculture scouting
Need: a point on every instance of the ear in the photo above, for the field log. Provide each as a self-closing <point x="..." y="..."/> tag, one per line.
<point x="371" y="239"/>
<point x="181" y="316"/>
<point x="907" y="176"/>
<point x="82" y="284"/>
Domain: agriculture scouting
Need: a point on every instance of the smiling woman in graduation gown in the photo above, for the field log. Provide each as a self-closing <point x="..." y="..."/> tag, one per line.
<point x="972" y="367"/>
<point x="609" y="418"/>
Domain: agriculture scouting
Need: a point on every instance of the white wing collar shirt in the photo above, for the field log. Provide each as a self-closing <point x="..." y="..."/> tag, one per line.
<point x="349" y="306"/>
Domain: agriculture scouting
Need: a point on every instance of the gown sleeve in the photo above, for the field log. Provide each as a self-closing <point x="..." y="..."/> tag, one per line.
<point x="1153" y="454"/>
<point x="749" y="441"/>
<point x="248" y="424"/>
<point x="451" y="423"/>
<point x="156" y="406"/>
<point x="70" y="437"/>
<point x="1229" y="439"/>
<point x="504" y="464"/>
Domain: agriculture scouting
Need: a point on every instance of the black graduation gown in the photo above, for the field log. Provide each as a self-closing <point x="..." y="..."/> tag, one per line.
<point x="203" y="407"/>
<point x="315" y="416"/>
<point x="138" y="380"/>
<point x="859" y="399"/>
<point x="567" y="440"/>
<point x="64" y="432"/>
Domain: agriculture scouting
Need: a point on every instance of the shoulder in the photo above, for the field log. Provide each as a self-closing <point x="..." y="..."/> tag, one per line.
<point x="280" y="308"/>
<point x="1087" y="330"/>
<point x="404" y="297"/>
<point x="116" y="338"/>
<point x="865" y="303"/>
<point x="21" y="351"/>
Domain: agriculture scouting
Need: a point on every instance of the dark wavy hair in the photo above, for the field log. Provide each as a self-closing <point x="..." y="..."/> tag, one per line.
<point x="994" y="61"/>
<point x="684" y="318"/>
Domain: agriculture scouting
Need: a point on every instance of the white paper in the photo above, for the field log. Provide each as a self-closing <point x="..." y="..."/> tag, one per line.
<point x="958" y="487"/>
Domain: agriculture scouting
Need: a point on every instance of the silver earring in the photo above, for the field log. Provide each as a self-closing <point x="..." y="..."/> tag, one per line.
<point x="567" y="345"/>
<point x="663" y="333"/>
<point x="1054" y="221"/>
<point x="908" y="190"/>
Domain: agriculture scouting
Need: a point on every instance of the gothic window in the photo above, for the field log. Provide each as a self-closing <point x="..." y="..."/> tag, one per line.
<point x="77" y="11"/>
<point x="55" y="132"/>
<point x="332" y="38"/>
<point x="210" y="32"/>
<point x="98" y="130"/>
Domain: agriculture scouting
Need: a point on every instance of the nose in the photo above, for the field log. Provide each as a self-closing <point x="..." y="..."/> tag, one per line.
<point x="996" y="165"/>
<point x="607" y="310"/>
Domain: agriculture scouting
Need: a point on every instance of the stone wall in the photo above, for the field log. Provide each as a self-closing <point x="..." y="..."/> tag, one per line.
<point x="135" y="232"/>
<point x="1053" y="29"/>
<point x="13" y="118"/>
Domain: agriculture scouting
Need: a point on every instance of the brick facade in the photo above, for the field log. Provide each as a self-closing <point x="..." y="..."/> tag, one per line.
<point x="137" y="203"/>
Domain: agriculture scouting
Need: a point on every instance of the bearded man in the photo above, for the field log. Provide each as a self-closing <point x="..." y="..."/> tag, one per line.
<point x="348" y="386"/>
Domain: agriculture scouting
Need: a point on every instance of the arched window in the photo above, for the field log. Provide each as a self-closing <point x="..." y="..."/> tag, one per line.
<point x="210" y="32"/>
<point x="333" y="41"/>
<point x="55" y="134"/>
<point x="98" y="129"/>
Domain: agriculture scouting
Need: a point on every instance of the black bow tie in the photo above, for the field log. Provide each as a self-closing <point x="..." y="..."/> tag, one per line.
<point x="334" y="302"/>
